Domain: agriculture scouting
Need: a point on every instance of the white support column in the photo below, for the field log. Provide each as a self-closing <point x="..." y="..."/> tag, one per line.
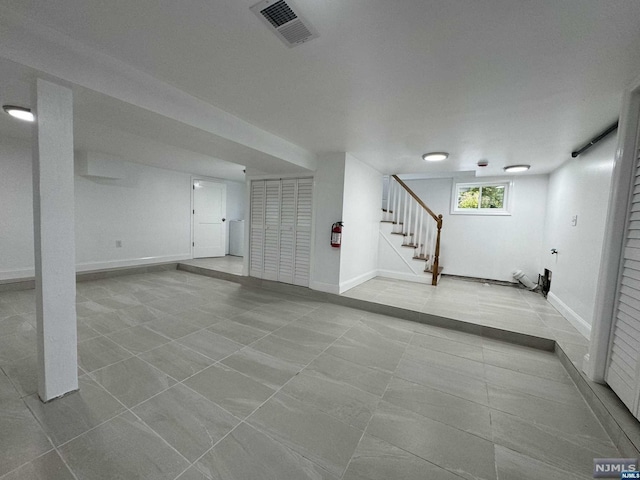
<point x="54" y="240"/>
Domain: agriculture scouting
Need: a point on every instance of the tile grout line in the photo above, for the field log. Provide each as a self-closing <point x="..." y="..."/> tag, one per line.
<point x="364" y="432"/>
<point x="491" y="428"/>
<point x="126" y="409"/>
<point x="178" y="382"/>
<point x="53" y="445"/>
<point x="243" y="421"/>
<point x="386" y="388"/>
<point x="215" y="362"/>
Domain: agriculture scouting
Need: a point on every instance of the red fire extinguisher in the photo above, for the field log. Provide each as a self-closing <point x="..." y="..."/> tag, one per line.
<point x="336" y="234"/>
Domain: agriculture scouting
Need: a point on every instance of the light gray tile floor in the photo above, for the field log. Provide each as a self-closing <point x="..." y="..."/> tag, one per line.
<point x="227" y="264"/>
<point x="504" y="307"/>
<point x="190" y="377"/>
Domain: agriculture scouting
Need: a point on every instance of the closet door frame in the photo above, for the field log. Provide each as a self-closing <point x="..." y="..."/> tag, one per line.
<point x="596" y="361"/>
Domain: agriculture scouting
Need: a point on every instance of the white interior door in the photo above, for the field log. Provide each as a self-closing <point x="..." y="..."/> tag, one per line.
<point x="209" y="211"/>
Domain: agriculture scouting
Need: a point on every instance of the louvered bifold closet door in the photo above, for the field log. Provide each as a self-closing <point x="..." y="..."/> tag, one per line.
<point x="272" y="230"/>
<point x="287" y="230"/>
<point x="280" y="241"/>
<point x="303" y="232"/>
<point x="256" y="235"/>
<point x="623" y="372"/>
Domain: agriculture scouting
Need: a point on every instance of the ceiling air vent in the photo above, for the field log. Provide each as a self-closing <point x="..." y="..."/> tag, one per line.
<point x="285" y="21"/>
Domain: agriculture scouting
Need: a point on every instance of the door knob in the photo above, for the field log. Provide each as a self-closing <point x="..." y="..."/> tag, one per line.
<point x="223" y="219"/>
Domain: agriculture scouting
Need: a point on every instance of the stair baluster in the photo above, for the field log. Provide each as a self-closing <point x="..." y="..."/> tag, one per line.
<point x="389" y="184"/>
<point x="404" y="208"/>
<point x="397" y="208"/>
<point x="408" y="239"/>
<point x="411" y="217"/>
<point x="419" y="224"/>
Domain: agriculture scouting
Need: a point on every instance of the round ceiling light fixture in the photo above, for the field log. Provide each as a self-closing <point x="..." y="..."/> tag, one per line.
<point x="435" y="156"/>
<point x="21" y="113"/>
<point x="483" y="163"/>
<point x="517" y="168"/>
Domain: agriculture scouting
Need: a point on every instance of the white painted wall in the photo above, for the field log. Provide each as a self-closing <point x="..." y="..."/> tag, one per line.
<point x="16" y="209"/>
<point x="361" y="215"/>
<point x="396" y="261"/>
<point x="235" y="205"/>
<point x="235" y="200"/>
<point x="488" y="246"/>
<point x="149" y="211"/>
<point x="579" y="187"/>
<point x="328" y="192"/>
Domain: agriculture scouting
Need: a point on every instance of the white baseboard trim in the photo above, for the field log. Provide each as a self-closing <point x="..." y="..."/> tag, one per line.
<point x="17" y="274"/>
<point x="324" y="287"/>
<point x="424" y="278"/>
<point x="354" y="282"/>
<point x="90" y="266"/>
<point x="131" y="262"/>
<point x="567" y="312"/>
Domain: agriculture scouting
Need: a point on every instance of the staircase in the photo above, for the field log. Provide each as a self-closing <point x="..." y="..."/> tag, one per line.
<point x="411" y="230"/>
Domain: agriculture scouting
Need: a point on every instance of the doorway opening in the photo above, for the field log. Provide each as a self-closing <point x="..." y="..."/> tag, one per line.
<point x="209" y="218"/>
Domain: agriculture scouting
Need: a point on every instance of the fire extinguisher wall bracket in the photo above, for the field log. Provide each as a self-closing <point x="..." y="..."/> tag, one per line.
<point x="336" y="234"/>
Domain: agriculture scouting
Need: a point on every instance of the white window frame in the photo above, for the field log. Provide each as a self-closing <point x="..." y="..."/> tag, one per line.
<point x="508" y="196"/>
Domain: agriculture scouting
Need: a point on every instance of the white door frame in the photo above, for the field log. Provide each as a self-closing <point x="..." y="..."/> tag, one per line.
<point x="204" y="179"/>
<point x="595" y="364"/>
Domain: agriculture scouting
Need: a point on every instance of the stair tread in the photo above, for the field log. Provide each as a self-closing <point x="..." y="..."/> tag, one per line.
<point x="424" y="258"/>
<point x="387" y="211"/>
<point x="386" y="221"/>
<point x="428" y="270"/>
<point x="410" y="245"/>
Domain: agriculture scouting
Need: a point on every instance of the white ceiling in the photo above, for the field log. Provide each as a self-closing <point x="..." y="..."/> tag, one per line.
<point x="510" y="81"/>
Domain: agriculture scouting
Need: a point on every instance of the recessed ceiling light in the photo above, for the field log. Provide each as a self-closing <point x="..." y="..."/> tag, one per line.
<point x="435" y="156"/>
<point x="517" y="168"/>
<point x="20" y="113"/>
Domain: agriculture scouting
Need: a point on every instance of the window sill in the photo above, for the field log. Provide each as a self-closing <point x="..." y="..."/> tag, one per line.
<point x="500" y="213"/>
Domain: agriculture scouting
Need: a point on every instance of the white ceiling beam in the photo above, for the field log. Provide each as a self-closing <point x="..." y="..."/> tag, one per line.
<point x="28" y="43"/>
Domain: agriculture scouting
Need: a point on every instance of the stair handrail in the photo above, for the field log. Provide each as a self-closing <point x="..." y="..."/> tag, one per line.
<point x="438" y="218"/>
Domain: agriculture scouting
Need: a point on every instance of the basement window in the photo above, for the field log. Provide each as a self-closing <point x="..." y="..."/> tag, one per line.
<point x="481" y="198"/>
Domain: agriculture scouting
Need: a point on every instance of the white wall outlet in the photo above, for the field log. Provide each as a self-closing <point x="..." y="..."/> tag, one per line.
<point x="574" y="220"/>
<point x="118" y="243"/>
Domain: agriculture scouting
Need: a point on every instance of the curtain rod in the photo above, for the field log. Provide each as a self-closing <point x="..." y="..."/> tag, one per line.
<point x="595" y="140"/>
